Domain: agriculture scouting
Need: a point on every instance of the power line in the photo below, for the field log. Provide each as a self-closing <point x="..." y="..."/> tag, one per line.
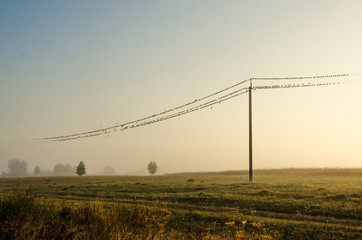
<point x="190" y="107"/>
<point x="143" y="122"/>
<point x="295" y="85"/>
<point x="104" y="130"/>
<point x="304" y="78"/>
<point x="149" y="122"/>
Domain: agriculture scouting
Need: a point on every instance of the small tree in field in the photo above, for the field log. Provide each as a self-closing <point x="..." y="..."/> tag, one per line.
<point x="81" y="169"/>
<point x="152" y="167"/>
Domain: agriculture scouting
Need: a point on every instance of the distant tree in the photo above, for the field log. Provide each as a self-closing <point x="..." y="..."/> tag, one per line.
<point x="152" y="167"/>
<point x="81" y="169"/>
<point x="37" y="171"/>
<point x="17" y="168"/>
<point x="108" y="170"/>
<point x="63" y="170"/>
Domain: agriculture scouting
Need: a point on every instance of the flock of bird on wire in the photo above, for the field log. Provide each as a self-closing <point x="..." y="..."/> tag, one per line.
<point x="218" y="97"/>
<point x="195" y="105"/>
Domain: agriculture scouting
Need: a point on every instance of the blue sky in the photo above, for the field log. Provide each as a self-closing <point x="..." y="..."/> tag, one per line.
<point x="71" y="66"/>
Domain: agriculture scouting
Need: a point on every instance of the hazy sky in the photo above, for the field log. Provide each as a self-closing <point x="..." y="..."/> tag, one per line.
<point x="73" y="66"/>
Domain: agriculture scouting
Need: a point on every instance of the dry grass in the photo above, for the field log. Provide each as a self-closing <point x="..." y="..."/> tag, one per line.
<point x="280" y="204"/>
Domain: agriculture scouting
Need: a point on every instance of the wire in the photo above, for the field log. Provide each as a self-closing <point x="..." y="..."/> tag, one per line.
<point x="167" y="117"/>
<point x="106" y="129"/>
<point x="303" y="78"/>
<point x="167" y="114"/>
<point x="295" y="85"/>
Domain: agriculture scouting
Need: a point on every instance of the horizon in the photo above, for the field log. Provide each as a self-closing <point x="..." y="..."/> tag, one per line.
<point x="144" y="173"/>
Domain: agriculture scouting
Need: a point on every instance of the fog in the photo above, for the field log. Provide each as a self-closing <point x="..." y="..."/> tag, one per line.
<point x="69" y="68"/>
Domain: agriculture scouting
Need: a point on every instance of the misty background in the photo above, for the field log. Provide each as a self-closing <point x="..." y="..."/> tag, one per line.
<point x="68" y="67"/>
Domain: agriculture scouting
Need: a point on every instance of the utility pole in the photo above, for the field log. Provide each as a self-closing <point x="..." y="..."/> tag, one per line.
<point x="250" y="133"/>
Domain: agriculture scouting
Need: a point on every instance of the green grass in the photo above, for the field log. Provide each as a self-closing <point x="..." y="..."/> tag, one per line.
<point x="280" y="204"/>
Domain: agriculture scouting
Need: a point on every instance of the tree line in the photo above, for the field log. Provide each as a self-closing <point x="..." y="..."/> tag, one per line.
<point x="19" y="168"/>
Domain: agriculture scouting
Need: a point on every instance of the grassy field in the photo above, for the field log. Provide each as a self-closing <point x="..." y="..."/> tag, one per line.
<point x="279" y="204"/>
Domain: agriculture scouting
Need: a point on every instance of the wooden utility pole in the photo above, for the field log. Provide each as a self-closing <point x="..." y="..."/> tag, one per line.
<point x="250" y="133"/>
